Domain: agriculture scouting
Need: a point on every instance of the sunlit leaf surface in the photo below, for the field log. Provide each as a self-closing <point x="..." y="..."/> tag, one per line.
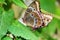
<point x="5" y="21"/>
<point x="19" y="29"/>
<point x="7" y="38"/>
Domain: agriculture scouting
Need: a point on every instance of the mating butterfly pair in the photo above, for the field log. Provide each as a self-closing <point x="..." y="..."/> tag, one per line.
<point x="34" y="18"/>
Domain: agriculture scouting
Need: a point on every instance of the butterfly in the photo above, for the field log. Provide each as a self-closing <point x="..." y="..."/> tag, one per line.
<point x="34" y="18"/>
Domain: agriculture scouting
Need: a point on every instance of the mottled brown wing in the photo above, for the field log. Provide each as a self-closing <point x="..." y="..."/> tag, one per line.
<point x="38" y="19"/>
<point x="46" y="18"/>
<point x="32" y="17"/>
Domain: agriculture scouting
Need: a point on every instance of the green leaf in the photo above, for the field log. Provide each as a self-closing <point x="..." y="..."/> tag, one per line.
<point x="2" y="1"/>
<point x="6" y="18"/>
<point x="1" y="10"/>
<point x="48" y="5"/>
<point x="19" y="29"/>
<point x="7" y="38"/>
<point x="19" y="3"/>
<point x="59" y="24"/>
<point x="58" y="11"/>
<point x="1" y="36"/>
<point x="18" y="39"/>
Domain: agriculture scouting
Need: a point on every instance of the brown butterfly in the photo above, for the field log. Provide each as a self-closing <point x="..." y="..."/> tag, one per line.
<point x="34" y="18"/>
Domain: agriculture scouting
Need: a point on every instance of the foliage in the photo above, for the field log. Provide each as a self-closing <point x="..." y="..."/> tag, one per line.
<point x="7" y="38"/>
<point x="9" y="24"/>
